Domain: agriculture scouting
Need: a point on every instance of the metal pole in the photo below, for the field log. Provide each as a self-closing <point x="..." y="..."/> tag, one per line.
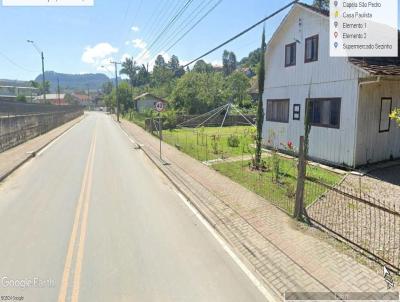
<point x="116" y="88"/>
<point x="160" y="132"/>
<point x="43" y="78"/>
<point x="58" y="91"/>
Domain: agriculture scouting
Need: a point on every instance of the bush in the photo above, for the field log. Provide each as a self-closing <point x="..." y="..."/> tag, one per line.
<point x="21" y="98"/>
<point x="233" y="141"/>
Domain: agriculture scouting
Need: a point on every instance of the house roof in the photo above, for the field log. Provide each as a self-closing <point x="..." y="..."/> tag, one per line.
<point x="323" y="12"/>
<point x="379" y="65"/>
<point x="373" y="65"/>
<point x="150" y="95"/>
<point x="51" y="96"/>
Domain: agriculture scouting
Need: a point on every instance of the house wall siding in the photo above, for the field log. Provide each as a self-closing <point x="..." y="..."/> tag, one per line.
<point x="145" y="103"/>
<point x="373" y="146"/>
<point x="326" y="78"/>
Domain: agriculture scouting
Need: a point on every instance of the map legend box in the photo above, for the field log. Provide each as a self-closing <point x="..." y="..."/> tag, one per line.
<point x="363" y="28"/>
<point x="48" y="2"/>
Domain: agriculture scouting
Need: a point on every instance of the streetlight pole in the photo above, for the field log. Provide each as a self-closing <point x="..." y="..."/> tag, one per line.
<point x="116" y="86"/>
<point x="42" y="57"/>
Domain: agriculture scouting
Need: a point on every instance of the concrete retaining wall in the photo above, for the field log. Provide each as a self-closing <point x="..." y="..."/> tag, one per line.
<point x="15" y="130"/>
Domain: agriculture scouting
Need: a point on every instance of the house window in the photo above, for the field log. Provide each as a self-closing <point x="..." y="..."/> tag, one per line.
<point x="325" y="112"/>
<point x="311" y="51"/>
<point x="278" y="111"/>
<point x="296" y="112"/>
<point x="386" y="109"/>
<point x="290" y="55"/>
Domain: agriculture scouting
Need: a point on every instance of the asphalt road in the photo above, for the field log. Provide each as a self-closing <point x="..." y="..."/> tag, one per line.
<point x="91" y="219"/>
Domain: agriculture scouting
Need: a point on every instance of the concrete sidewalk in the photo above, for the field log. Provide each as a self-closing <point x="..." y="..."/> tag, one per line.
<point x="12" y="159"/>
<point x="271" y="243"/>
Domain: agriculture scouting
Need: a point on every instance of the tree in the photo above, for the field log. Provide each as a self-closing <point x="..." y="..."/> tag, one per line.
<point x="229" y="62"/>
<point x="107" y="87"/>
<point x="161" y="74"/>
<point x="395" y="115"/>
<point x="198" y="93"/>
<point x="203" y="67"/>
<point x="143" y="77"/>
<point x="237" y="85"/>
<point x="321" y="4"/>
<point x="130" y="69"/>
<point x="252" y="59"/>
<point x="125" y="96"/>
<point x="260" y="109"/>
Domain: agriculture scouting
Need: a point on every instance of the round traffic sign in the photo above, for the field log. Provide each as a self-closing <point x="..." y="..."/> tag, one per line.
<point x="159" y="106"/>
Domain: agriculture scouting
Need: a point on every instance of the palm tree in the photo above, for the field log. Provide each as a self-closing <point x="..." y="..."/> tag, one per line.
<point x="130" y="68"/>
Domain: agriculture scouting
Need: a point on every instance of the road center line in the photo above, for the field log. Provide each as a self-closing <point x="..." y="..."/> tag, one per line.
<point x="82" y="198"/>
<point x="82" y="237"/>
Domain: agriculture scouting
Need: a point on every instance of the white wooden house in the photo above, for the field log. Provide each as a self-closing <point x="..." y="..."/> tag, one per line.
<point x="146" y="101"/>
<point x="350" y="98"/>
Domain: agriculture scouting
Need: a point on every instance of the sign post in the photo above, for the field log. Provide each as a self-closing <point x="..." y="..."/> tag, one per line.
<point x="159" y="106"/>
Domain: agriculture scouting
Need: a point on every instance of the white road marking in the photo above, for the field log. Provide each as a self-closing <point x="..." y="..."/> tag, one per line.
<point x="57" y="139"/>
<point x="264" y="291"/>
<point x="225" y="246"/>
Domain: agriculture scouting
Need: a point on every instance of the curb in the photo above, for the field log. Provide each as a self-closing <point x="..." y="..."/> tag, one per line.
<point x="252" y="268"/>
<point x="32" y="154"/>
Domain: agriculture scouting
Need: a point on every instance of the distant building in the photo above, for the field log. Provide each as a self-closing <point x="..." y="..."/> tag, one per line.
<point x="10" y="93"/>
<point x="52" y="98"/>
<point x="83" y="99"/>
<point x="146" y="101"/>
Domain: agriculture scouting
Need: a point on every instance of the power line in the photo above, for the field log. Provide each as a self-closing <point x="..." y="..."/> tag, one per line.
<point x="161" y="18"/>
<point x="16" y="64"/>
<point x="243" y="32"/>
<point x="171" y="22"/>
<point x="194" y="25"/>
<point x="186" y="23"/>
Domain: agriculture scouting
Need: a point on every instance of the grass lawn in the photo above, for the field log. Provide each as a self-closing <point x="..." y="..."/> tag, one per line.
<point x="209" y="143"/>
<point x="281" y="193"/>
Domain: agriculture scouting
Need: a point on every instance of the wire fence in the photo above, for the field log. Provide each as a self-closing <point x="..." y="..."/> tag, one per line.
<point x="367" y="223"/>
<point x="340" y="207"/>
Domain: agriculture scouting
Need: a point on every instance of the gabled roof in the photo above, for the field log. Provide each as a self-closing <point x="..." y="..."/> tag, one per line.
<point x="323" y="12"/>
<point x="150" y="95"/>
<point x="373" y="65"/>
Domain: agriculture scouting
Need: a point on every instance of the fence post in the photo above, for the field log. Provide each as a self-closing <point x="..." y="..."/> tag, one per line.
<point x="301" y="175"/>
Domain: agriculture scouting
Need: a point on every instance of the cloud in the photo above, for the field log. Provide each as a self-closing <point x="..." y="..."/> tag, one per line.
<point x="137" y="43"/>
<point x="135" y="28"/>
<point x="97" y="53"/>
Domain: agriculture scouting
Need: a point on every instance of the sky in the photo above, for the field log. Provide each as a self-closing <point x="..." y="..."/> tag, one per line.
<point x="85" y="39"/>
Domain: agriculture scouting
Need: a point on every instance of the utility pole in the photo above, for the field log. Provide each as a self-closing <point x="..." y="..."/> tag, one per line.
<point x="116" y="87"/>
<point x="43" y="77"/>
<point x="58" y="91"/>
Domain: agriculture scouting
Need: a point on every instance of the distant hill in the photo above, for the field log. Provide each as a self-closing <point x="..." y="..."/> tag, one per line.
<point x="16" y="83"/>
<point x="73" y="82"/>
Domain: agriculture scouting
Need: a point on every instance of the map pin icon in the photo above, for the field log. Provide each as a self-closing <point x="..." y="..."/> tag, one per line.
<point x="336" y="34"/>
<point x="336" y="24"/>
<point x="336" y="44"/>
<point x="336" y="3"/>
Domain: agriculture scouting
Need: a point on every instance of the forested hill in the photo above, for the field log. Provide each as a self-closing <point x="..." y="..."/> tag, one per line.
<point x="74" y="82"/>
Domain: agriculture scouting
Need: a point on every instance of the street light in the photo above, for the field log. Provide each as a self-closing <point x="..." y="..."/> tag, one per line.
<point x="42" y="56"/>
